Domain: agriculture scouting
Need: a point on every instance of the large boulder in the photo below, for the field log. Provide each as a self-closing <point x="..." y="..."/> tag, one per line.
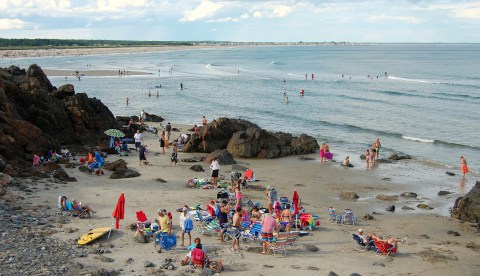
<point x="349" y="195"/>
<point x="117" y="165"/>
<point x="36" y="117"/>
<point x="468" y="207"/>
<point x="124" y="174"/>
<point x="223" y="157"/>
<point x="61" y="174"/>
<point x="245" y="139"/>
<point x="396" y="157"/>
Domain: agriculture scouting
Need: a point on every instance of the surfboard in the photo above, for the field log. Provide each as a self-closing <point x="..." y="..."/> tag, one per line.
<point x="93" y="235"/>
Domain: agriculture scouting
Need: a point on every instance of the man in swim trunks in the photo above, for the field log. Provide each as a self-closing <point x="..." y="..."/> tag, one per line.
<point x="236" y="228"/>
<point x="268" y="225"/>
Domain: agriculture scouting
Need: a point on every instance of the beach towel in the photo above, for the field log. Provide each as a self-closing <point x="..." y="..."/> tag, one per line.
<point x="188" y="225"/>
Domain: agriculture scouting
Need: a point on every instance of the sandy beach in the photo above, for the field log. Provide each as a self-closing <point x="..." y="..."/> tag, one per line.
<point x="429" y="250"/>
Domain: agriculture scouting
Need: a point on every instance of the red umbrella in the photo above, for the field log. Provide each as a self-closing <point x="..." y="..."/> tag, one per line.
<point x="119" y="212"/>
<point x="295" y="200"/>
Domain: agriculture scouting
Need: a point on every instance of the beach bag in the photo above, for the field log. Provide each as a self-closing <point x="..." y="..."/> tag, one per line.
<point x="216" y="265"/>
<point x="217" y="211"/>
<point x="168" y="241"/>
<point x="188" y="225"/>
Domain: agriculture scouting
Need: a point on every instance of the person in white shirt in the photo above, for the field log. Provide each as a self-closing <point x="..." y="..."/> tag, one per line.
<point x="186" y="227"/>
<point x="215" y="166"/>
<point x="138" y="139"/>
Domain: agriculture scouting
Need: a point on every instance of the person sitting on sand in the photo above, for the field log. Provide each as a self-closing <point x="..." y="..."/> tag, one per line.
<point x="367" y="240"/>
<point x="393" y="242"/>
<point x="197" y="244"/>
<point x="346" y="162"/>
<point x="79" y="207"/>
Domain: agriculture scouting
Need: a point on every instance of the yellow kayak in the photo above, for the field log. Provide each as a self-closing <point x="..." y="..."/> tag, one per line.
<point x="93" y="235"/>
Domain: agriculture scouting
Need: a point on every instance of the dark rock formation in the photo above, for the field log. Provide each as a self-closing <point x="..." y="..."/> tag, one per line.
<point x="450" y="173"/>
<point x="409" y="195"/>
<point x="395" y="156"/>
<point x="117" y="165"/>
<point x="244" y="139"/>
<point x="197" y="168"/>
<point x="124" y="174"/>
<point x="390" y="208"/>
<point x="63" y="175"/>
<point x="468" y="207"/>
<point x="442" y="193"/>
<point x="36" y="117"/>
<point x="348" y="195"/>
<point x="223" y="157"/>
<point x="424" y="206"/>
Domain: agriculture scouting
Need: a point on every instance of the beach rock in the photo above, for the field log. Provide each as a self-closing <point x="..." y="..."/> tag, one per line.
<point x="407" y="208"/>
<point x="313" y="268"/>
<point x="154" y="118"/>
<point x="383" y="161"/>
<point x="61" y="174"/>
<point x="355" y="274"/>
<point x="386" y="179"/>
<point x="3" y="164"/>
<point x="194" y="159"/>
<point x="424" y="236"/>
<point x="424" y="206"/>
<point x="223" y="157"/>
<point x="450" y="173"/>
<point x="304" y="158"/>
<point x="368" y="217"/>
<point x="386" y="197"/>
<point x="197" y="168"/>
<point x="468" y="207"/>
<point x="128" y="173"/>
<point x="160" y="180"/>
<point x="8" y="197"/>
<point x="245" y="139"/>
<point x="141" y="239"/>
<point x="453" y="233"/>
<point x="2" y="192"/>
<point x="348" y="166"/>
<point x="396" y="157"/>
<point x="472" y="245"/>
<point x="83" y="169"/>
<point x="390" y="208"/>
<point x="409" y="195"/>
<point x="64" y="91"/>
<point x="311" y="247"/>
<point x="35" y="120"/>
<point x="116" y="165"/>
<point x="363" y="157"/>
<point x="331" y="273"/>
<point x="442" y="193"/>
<point x="148" y="264"/>
<point x="348" y="195"/>
<point x="5" y="179"/>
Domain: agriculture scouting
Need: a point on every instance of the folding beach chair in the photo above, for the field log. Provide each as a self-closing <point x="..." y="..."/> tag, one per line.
<point x="332" y="216"/>
<point x="384" y="248"/>
<point x="249" y="175"/>
<point x="348" y="217"/>
<point x="198" y="258"/>
<point x="62" y="205"/>
<point x="360" y="244"/>
<point x="253" y="233"/>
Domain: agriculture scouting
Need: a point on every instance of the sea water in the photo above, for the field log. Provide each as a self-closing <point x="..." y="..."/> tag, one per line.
<point x="419" y="99"/>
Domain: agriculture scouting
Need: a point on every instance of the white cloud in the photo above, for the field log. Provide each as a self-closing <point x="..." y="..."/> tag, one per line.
<point x="12" y="24"/>
<point x="470" y="13"/>
<point x="406" y="19"/>
<point x="205" y="10"/>
<point x="282" y="11"/>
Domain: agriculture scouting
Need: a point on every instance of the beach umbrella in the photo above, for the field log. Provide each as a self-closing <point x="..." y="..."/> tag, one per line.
<point x="119" y="211"/>
<point x="295" y="200"/>
<point x="114" y="133"/>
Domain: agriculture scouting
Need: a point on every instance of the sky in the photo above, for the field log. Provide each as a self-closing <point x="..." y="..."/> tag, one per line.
<point x="448" y="21"/>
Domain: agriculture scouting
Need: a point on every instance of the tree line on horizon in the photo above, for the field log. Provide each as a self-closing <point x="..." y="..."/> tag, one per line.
<point x="22" y="43"/>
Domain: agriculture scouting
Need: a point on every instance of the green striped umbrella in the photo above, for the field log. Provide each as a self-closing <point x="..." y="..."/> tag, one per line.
<point x="114" y="133"/>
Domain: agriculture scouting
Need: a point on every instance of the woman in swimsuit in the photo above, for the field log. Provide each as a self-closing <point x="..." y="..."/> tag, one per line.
<point x="286" y="217"/>
<point x="238" y="194"/>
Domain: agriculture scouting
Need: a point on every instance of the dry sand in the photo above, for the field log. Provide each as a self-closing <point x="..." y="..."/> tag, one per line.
<point x="429" y="251"/>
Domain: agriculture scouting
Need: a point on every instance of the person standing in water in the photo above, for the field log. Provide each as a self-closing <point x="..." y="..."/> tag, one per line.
<point x="126" y="100"/>
<point x="464" y="166"/>
<point x="181" y="86"/>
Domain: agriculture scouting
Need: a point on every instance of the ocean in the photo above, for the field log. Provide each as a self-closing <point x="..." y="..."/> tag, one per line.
<point x="419" y="99"/>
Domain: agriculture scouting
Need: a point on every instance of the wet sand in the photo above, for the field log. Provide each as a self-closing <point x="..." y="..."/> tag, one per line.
<point x="96" y="73"/>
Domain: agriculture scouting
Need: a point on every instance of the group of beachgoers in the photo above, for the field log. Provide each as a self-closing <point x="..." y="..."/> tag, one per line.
<point x="372" y="153"/>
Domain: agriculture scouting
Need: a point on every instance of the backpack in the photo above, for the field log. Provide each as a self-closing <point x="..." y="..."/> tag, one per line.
<point x="217" y="210"/>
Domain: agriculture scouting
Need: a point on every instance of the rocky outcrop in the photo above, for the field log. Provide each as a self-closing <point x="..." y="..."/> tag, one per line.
<point x="127" y="173"/>
<point x="468" y="207"/>
<point x="36" y="117"/>
<point x="244" y="139"/>
<point x="223" y="157"/>
<point x="396" y="157"/>
<point x="117" y="165"/>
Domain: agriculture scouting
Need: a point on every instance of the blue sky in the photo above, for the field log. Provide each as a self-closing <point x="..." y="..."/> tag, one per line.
<point x="276" y="20"/>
